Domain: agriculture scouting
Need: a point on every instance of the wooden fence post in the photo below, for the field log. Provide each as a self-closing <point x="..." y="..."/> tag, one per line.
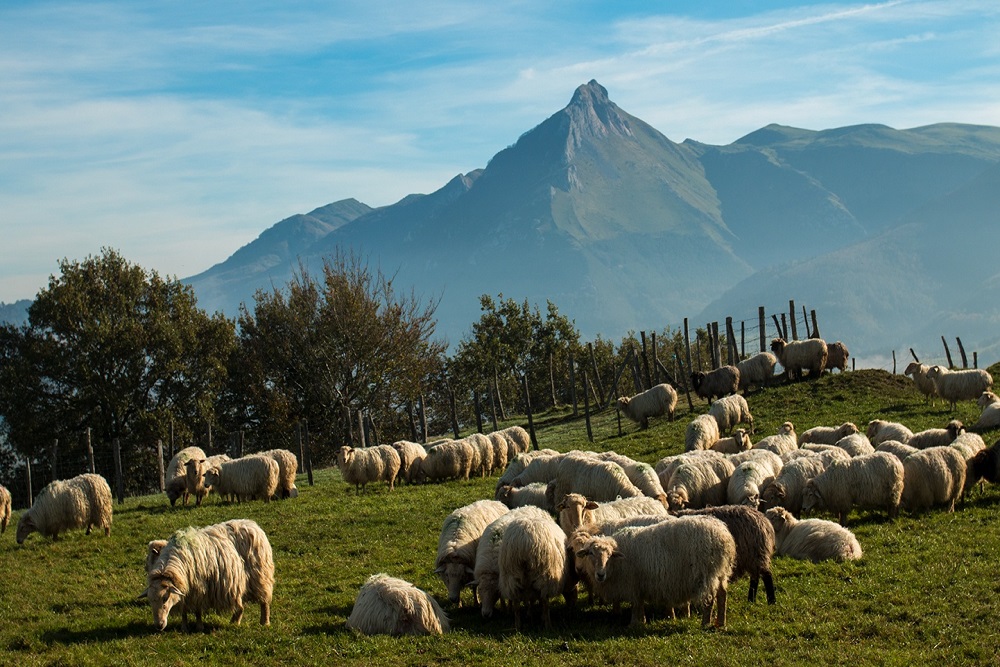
<point x="413" y="422"/>
<point x="791" y="317"/>
<point x="914" y="355"/>
<point x="975" y="359"/>
<point x="805" y="321"/>
<point x="961" y="350"/>
<point x="572" y="382"/>
<point x="743" y="339"/>
<point x="597" y="373"/>
<point x="816" y="333"/>
<point x="763" y="331"/>
<point x="656" y="359"/>
<point x="298" y="441"/>
<point x="697" y="348"/>
<point x="479" y="411"/>
<point x="636" y="375"/>
<point x="645" y="361"/>
<point x="493" y="412"/>
<point x="777" y="325"/>
<point x="210" y="437"/>
<point x="947" y="352"/>
<point x="55" y="459"/>
<point x="586" y="407"/>
<point x="423" y="415"/>
<point x="784" y="327"/>
<point x="172" y="450"/>
<point x="527" y="407"/>
<point x="90" y="452"/>
<point x="552" y="380"/>
<point x="496" y="388"/>
<point x="687" y="390"/>
<point x="159" y="464"/>
<point x="687" y="347"/>
<point x="716" y="346"/>
<point x="454" y="414"/>
<point x="307" y="454"/>
<point x="894" y="362"/>
<point x="119" y="477"/>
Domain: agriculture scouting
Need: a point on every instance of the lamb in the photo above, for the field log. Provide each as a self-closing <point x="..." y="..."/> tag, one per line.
<point x="252" y="477"/>
<point x="5" y="508"/>
<point x="531" y="562"/>
<point x="781" y="443"/>
<point x="576" y="512"/>
<point x="533" y="494"/>
<point x="837" y="356"/>
<point x="220" y="567"/>
<point x="933" y="476"/>
<point x="964" y="385"/>
<point x="811" y="539"/>
<point x="409" y="454"/>
<point x="639" y="473"/>
<point x="194" y="470"/>
<point x="865" y="482"/>
<point x="671" y="563"/>
<point x="656" y="401"/>
<point x="718" y="383"/>
<point x="390" y="606"/>
<point x="454" y="459"/>
<point x="856" y="444"/>
<point x="456" y="554"/>
<point x="937" y="437"/>
<point x="699" y="483"/>
<point x="748" y="481"/>
<point x="81" y="502"/>
<point x="701" y="433"/>
<point x="925" y="385"/>
<point x="176" y="482"/>
<point x="801" y="355"/>
<point x="897" y="449"/>
<point x="827" y="435"/>
<point x="879" y="431"/>
<point x="288" y="467"/>
<point x="738" y="442"/>
<point x="754" y="538"/>
<point x="990" y="416"/>
<point x="730" y="411"/>
<point x="598" y="480"/>
<point x="757" y="370"/>
<point x="788" y="485"/>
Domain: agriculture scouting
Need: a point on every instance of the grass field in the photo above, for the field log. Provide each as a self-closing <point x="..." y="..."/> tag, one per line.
<point x="925" y="592"/>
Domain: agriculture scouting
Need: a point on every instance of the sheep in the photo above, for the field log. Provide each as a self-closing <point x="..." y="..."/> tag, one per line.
<point x="533" y="494"/>
<point x="5" y="508"/>
<point x="748" y="481"/>
<point x="359" y="466"/>
<point x="531" y="562"/>
<point x="220" y="567"/>
<point x="937" y="437"/>
<point x="984" y="465"/>
<point x="176" y="482"/>
<point x="856" y="444"/>
<point x="577" y="512"/>
<point x="390" y="606"/>
<point x="83" y="501"/>
<point x="194" y="470"/>
<point x="656" y="401"/>
<point x="964" y="385"/>
<point x="782" y="442"/>
<point x="811" y="539"/>
<point x="500" y="450"/>
<point x="699" y="483"/>
<point x="788" y="485"/>
<point x="672" y="563"/>
<point x="730" y="411"/>
<point x="827" y="435"/>
<point x="969" y="444"/>
<point x="870" y="481"/>
<point x="990" y="416"/>
<point x="701" y="433"/>
<point x="924" y="385"/>
<point x="798" y="355"/>
<point x="837" y="356"/>
<point x="288" y="467"/>
<point x="454" y="459"/>
<point x="409" y="454"/>
<point x="718" y="383"/>
<point x="933" y="476"/>
<point x="518" y="441"/>
<point x="456" y="554"/>
<point x="517" y="464"/>
<point x="738" y="442"/>
<point x="772" y="459"/>
<point x="598" y="480"/>
<point x="897" y="449"/>
<point x="879" y="431"/>
<point x="754" y="538"/>
<point x="253" y="477"/>
<point x="757" y="370"/>
<point x="211" y="462"/>
<point x="639" y="473"/>
<point x="484" y="449"/>
<point x="666" y="466"/>
<point x="540" y="469"/>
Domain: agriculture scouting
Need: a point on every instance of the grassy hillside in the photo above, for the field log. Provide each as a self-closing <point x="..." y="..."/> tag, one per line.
<point x="925" y="590"/>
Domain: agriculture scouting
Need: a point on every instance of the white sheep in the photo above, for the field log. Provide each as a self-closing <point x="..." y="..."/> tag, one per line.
<point x="194" y="470"/>
<point x="460" y="533"/>
<point x="964" y="385"/>
<point x="837" y="356"/>
<point x="717" y="383"/>
<point x="782" y="442"/>
<point x="595" y="479"/>
<point x="827" y="435"/>
<point x="253" y="477"/>
<point x="990" y="416"/>
<point x="924" y="384"/>
<point x="409" y="453"/>
<point x="486" y="572"/>
<point x="811" y="539"/>
<point x="577" y="512"/>
<point x="937" y="437"/>
<point x="873" y="481"/>
<point x="288" y="468"/>
<point x="220" y="567"/>
<point x="897" y="449"/>
<point x="757" y="370"/>
<point x="699" y="483"/>
<point x="500" y="450"/>
<point x="531" y="562"/>
<point x="5" y="508"/>
<point x="517" y="464"/>
<point x="730" y="411"/>
<point x="454" y="459"/>
<point x="969" y="444"/>
<point x="672" y="564"/>
<point x="880" y="430"/>
<point x="639" y="473"/>
<point x="788" y="485"/>
<point x="800" y="355"/>
<point x="656" y="401"/>
<point x="83" y="501"/>
<point x="520" y="496"/>
<point x="772" y="459"/>
<point x="856" y="444"/>
<point x="390" y="606"/>
<point x="701" y="433"/>
<point x="666" y="466"/>
<point x="541" y="469"/>
<point x="361" y="465"/>
<point x="739" y="441"/>
<point x="484" y="451"/>
<point x="748" y="480"/>
<point x="933" y="476"/>
<point x="518" y="440"/>
<point x="176" y="482"/>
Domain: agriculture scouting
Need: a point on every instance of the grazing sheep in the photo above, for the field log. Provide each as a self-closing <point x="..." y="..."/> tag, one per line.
<point x="639" y="473"/>
<point x="738" y="442"/>
<point x="757" y="370"/>
<point x="788" y="485"/>
<point x="220" y="567"/>
<point x="937" y="437"/>
<point x="484" y="452"/>
<point x="754" y="538"/>
<point x="879" y="431"/>
<point x="531" y="562"/>
<point x="782" y="442"/>
<point x="897" y="449"/>
<point x="390" y="606"/>
<point x="933" y="476"/>
<point x="81" y="502"/>
<point x="577" y="512"/>
<point x="541" y="469"/>
<point x="533" y="494"/>
<point x="518" y="440"/>
<point x="984" y="465"/>
<point x="486" y="572"/>
<point x="701" y="433"/>
<point x="811" y="539"/>
<point x="288" y="468"/>
<point x="5" y="508"/>
<point x="924" y="384"/>
<point x="837" y="356"/>
<point x="454" y="459"/>
<point x="873" y="481"/>
<point x="990" y="416"/>
<point x="856" y="444"/>
<point x="800" y="355"/>
<point x="699" y="483"/>
<point x="500" y="450"/>
<point x="666" y="466"/>
<point x="456" y="554"/>
<point x="827" y="435"/>
<point x="253" y="477"/>
<point x="361" y="465"/>
<point x="194" y="470"/>
<point x="410" y="453"/>
<point x="772" y="459"/>
<point x="730" y="411"/>
<point x="598" y="480"/>
<point x="718" y="383"/>
<point x="672" y="564"/>
<point x="748" y="480"/>
<point x="517" y="464"/>
<point x="964" y="385"/>
<point x="176" y="481"/>
<point x="969" y="444"/>
<point x="654" y="402"/>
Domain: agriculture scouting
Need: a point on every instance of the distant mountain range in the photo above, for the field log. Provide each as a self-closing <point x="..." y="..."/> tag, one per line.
<point x="887" y="233"/>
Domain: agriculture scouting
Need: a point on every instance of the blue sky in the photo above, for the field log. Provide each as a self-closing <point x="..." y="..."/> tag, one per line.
<point x="176" y="132"/>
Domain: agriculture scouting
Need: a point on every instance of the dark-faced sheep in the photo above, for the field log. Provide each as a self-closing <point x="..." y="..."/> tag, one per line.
<point x="716" y="384"/>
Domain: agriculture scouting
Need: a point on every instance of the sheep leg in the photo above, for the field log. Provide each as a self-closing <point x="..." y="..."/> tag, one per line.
<point x="201" y="623"/>
<point x="265" y="613"/>
<point x="752" y="595"/>
<point x="638" y="613"/>
<point x="107" y="531"/>
<point x="843" y="518"/>
<point x="721" y="597"/>
<point x="546" y="616"/>
<point x="517" y="616"/>
<point x="769" y="587"/>
<point x="89" y="526"/>
<point x="237" y="615"/>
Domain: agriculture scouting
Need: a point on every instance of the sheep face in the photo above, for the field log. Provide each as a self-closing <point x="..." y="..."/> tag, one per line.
<point x="987" y="398"/>
<point x="25" y="526"/>
<point x="455" y="575"/>
<point x="597" y="555"/>
<point x="163" y="595"/>
<point x="811" y="498"/>
<point x="344" y="456"/>
<point x="955" y="428"/>
<point x="778" y="516"/>
<point x="571" y="511"/>
<point x="211" y="476"/>
<point x="677" y="498"/>
<point x="773" y="495"/>
<point x="778" y="346"/>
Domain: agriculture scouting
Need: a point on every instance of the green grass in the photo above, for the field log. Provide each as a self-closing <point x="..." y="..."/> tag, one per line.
<point x="925" y="591"/>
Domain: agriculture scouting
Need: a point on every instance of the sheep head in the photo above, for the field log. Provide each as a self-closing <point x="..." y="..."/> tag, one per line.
<point x="25" y="526"/>
<point x="597" y="554"/>
<point x="163" y="594"/>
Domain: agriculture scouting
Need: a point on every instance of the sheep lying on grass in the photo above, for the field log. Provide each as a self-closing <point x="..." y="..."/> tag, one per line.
<point x="990" y="416"/>
<point x="937" y="437"/>
<point x="390" y="606"/>
<point x="81" y="502"/>
<point x="654" y="402"/>
<point x="827" y="435"/>
<point x="811" y="539"/>
<point x="738" y="442"/>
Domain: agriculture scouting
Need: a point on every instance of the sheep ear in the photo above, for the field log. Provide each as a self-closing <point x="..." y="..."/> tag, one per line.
<point x="591" y="505"/>
<point x="175" y="591"/>
<point x="583" y="553"/>
<point x="439" y="570"/>
<point x="142" y="595"/>
<point x="469" y="570"/>
<point x="617" y="554"/>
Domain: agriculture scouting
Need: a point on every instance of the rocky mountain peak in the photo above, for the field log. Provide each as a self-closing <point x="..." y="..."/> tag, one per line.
<point x="593" y="115"/>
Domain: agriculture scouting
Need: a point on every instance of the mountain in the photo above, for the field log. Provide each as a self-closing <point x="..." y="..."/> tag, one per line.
<point x="14" y="313"/>
<point x="623" y="228"/>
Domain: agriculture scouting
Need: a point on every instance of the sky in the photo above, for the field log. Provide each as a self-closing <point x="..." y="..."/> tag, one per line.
<point x="176" y="132"/>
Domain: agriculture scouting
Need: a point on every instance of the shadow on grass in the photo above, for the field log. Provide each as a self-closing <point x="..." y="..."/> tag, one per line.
<point x="68" y="637"/>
